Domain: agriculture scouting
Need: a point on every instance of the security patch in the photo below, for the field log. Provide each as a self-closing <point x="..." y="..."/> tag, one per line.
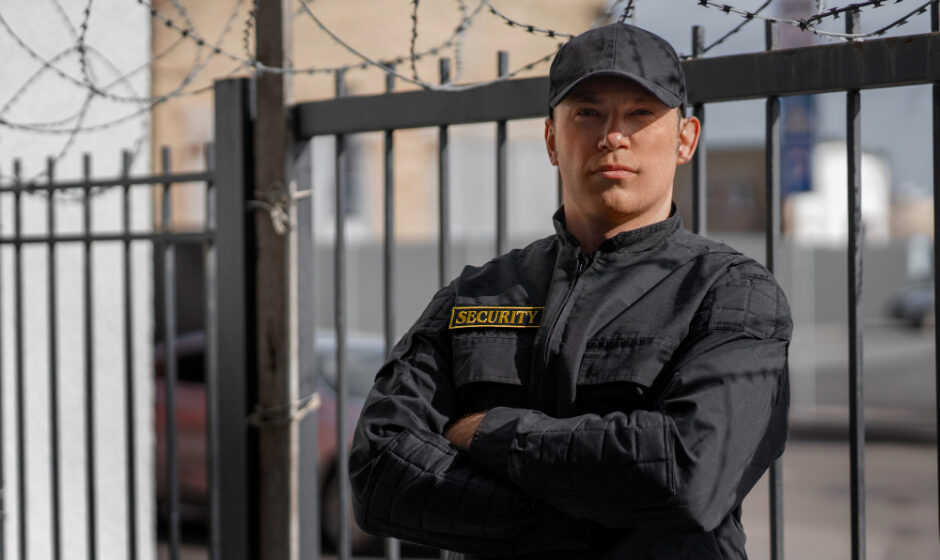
<point x="495" y="316"/>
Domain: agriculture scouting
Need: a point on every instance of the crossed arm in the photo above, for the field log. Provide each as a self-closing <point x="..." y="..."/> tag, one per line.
<point x="460" y="433"/>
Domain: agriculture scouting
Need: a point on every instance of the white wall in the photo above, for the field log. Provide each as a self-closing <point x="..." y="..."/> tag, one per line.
<point x="121" y="32"/>
<point x="820" y="217"/>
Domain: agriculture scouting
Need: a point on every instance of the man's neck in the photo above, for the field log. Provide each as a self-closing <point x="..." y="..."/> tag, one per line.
<point x="591" y="233"/>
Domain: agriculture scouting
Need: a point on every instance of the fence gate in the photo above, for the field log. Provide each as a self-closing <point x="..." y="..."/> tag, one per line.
<point x="77" y="271"/>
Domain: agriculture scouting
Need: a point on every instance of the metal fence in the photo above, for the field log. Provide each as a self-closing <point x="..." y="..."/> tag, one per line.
<point x="86" y="193"/>
<point x="769" y="75"/>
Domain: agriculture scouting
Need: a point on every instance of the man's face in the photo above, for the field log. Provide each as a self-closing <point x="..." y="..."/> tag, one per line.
<point x="617" y="148"/>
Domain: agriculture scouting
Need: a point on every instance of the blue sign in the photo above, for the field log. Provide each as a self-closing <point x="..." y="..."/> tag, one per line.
<point x="798" y="116"/>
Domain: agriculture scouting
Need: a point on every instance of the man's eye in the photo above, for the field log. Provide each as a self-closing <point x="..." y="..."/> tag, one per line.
<point x="587" y="112"/>
<point x="642" y="112"/>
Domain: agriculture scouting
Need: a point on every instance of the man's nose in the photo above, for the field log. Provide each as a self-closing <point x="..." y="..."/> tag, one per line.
<point x="614" y="138"/>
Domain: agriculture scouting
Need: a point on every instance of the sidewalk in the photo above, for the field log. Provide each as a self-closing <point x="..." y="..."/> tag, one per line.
<point x="901" y="483"/>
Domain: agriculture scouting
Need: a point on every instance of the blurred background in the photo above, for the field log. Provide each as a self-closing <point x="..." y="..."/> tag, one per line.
<point x="82" y="77"/>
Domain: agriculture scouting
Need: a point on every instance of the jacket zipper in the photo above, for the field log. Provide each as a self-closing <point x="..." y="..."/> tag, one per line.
<point x="584" y="262"/>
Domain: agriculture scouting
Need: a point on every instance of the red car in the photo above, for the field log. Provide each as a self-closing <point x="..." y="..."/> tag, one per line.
<point x="365" y="355"/>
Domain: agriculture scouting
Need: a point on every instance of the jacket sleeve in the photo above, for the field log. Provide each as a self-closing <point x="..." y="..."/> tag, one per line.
<point x="721" y="421"/>
<point x="409" y="482"/>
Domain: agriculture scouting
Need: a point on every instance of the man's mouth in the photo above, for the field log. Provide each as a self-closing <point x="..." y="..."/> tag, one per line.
<point x="615" y="171"/>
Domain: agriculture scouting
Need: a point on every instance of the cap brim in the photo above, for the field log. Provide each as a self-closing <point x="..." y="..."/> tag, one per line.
<point x="668" y="98"/>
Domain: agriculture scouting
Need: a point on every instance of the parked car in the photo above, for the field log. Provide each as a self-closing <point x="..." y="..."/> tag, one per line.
<point x="365" y="355"/>
<point x="913" y="304"/>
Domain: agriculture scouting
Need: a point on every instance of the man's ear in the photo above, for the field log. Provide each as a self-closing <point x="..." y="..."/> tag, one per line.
<point x="550" y="140"/>
<point x="689" y="132"/>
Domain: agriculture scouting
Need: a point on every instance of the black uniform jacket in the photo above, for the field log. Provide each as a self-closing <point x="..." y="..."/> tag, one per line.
<point x="634" y="397"/>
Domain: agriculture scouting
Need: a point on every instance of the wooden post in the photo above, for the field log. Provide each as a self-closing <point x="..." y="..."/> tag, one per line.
<point x="277" y="433"/>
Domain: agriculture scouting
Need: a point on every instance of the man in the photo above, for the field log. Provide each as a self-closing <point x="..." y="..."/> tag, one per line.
<point x="612" y="391"/>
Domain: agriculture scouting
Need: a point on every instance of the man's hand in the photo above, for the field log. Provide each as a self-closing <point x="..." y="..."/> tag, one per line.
<point x="460" y="433"/>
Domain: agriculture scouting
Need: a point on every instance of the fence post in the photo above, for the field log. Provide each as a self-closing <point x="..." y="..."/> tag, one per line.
<point x="276" y="382"/>
<point x="235" y="233"/>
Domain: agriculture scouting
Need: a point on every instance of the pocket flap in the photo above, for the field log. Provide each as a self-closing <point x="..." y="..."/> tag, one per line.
<point x="636" y="360"/>
<point x="491" y="357"/>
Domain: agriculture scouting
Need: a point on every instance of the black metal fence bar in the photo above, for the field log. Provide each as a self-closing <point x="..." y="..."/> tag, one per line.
<point x="895" y="61"/>
<point x="935" y="27"/>
<point x="54" y="484"/>
<point x="309" y="495"/>
<point x="443" y="189"/>
<point x="392" y="546"/>
<point x="339" y="256"/>
<point x="91" y="492"/>
<point x="510" y="99"/>
<point x="18" y="363"/>
<point x="502" y="148"/>
<point x="856" y="393"/>
<point x="211" y="363"/>
<point x="4" y="514"/>
<point x="130" y="410"/>
<point x="234" y="253"/>
<point x="197" y="176"/>
<point x="168" y="237"/>
<point x="169" y="362"/>
<point x="772" y="231"/>
<point x="699" y="176"/>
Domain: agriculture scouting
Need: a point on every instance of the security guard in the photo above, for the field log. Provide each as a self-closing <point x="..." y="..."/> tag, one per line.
<point x="612" y="391"/>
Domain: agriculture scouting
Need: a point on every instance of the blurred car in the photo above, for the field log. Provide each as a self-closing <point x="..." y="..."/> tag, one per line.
<point x="365" y="355"/>
<point x="914" y="305"/>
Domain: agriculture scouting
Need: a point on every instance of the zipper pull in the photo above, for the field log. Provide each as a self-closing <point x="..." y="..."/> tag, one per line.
<point x="584" y="261"/>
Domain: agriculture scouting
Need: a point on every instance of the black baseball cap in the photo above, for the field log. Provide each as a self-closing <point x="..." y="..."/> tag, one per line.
<point x="618" y="49"/>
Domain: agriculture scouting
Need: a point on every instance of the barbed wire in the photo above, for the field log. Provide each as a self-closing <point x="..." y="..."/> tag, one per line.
<point x="414" y="39"/>
<point x="257" y="66"/>
<point x="551" y="33"/>
<point x="389" y="69"/>
<point x="84" y="83"/>
<point x="187" y="32"/>
<point x="458" y="42"/>
<point x="822" y="12"/>
<point x="628" y="12"/>
<point x="249" y="25"/>
<point x="456" y="39"/>
<point x="125" y="78"/>
<point x="810" y="24"/>
<point x="78" y="128"/>
<point x="87" y="81"/>
<point x="80" y="45"/>
<point x="148" y="102"/>
<point x="60" y="11"/>
<point x="736" y="29"/>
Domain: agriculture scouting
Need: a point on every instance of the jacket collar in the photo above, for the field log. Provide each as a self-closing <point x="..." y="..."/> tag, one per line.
<point x="632" y="241"/>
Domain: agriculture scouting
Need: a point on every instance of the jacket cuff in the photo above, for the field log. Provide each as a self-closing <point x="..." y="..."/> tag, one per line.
<point x="494" y="439"/>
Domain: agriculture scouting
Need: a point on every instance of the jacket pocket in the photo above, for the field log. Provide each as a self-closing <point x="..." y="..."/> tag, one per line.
<point x="619" y="374"/>
<point x="491" y="368"/>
